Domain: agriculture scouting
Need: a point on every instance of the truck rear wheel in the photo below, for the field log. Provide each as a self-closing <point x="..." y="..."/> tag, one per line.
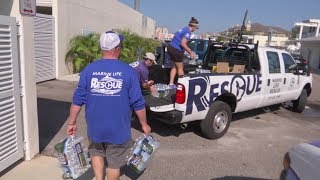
<point x="300" y="103"/>
<point x="217" y="120"/>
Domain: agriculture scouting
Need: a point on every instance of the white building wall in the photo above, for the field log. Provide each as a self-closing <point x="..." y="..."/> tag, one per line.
<point x="275" y="41"/>
<point x="151" y="26"/>
<point x="73" y="16"/>
<point x="311" y="50"/>
<point x="27" y="69"/>
<point x="46" y="3"/>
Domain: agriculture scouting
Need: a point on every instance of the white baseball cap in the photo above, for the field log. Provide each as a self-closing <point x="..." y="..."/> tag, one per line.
<point x="150" y="56"/>
<point x="110" y="40"/>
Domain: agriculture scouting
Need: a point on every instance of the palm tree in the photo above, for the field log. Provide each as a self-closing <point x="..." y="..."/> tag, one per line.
<point x="86" y="49"/>
<point x="83" y="50"/>
<point x="132" y="42"/>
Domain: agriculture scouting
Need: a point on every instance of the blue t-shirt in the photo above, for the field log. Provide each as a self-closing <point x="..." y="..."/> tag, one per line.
<point x="176" y="40"/>
<point x="109" y="89"/>
<point x="142" y="70"/>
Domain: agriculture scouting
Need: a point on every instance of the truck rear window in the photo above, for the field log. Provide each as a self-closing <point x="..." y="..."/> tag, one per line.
<point x="233" y="56"/>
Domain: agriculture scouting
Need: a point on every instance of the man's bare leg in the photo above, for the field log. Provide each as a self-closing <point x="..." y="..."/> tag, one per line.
<point x="173" y="73"/>
<point x="113" y="174"/>
<point x="98" y="167"/>
<point x="179" y="66"/>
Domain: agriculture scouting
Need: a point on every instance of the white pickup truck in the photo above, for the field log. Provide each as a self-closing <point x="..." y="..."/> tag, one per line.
<point x="270" y="77"/>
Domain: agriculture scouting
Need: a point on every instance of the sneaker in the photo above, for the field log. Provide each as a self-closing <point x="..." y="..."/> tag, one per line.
<point x="172" y="86"/>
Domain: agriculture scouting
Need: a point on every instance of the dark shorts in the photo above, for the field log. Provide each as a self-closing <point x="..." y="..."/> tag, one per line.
<point x="175" y="54"/>
<point x="115" y="154"/>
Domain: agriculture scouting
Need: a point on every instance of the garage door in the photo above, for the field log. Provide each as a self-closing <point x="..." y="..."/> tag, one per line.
<point x="44" y="47"/>
<point x="11" y="143"/>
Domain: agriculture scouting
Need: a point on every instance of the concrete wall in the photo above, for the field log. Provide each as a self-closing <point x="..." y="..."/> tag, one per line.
<point x="46" y="3"/>
<point x="311" y="50"/>
<point x="6" y="7"/>
<point x="73" y="16"/>
<point x="27" y="70"/>
<point x="275" y="41"/>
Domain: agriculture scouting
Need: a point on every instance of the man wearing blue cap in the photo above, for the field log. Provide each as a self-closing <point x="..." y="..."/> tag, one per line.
<point x="110" y="89"/>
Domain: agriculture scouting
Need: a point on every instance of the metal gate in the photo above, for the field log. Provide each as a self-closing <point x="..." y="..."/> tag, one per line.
<point x="44" y="47"/>
<point x="11" y="140"/>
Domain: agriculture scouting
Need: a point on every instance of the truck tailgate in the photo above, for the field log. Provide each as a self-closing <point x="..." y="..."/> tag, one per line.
<point x="162" y="109"/>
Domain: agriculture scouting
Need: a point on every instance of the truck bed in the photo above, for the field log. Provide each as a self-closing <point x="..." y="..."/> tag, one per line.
<point x="155" y="106"/>
<point x="151" y="101"/>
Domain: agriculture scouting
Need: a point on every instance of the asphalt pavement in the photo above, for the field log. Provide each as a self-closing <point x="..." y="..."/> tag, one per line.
<point x="252" y="148"/>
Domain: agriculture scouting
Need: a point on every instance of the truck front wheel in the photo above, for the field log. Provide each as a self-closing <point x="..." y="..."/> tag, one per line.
<point x="217" y="120"/>
<point x="300" y="103"/>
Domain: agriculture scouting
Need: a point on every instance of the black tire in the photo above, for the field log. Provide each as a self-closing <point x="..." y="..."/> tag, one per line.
<point x="300" y="104"/>
<point x="217" y="120"/>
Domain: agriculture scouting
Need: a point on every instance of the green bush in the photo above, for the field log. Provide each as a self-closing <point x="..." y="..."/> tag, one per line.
<point x="82" y="51"/>
<point x="86" y="49"/>
<point x="132" y="42"/>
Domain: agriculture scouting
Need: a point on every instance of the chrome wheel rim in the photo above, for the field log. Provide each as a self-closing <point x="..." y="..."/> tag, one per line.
<point x="220" y="121"/>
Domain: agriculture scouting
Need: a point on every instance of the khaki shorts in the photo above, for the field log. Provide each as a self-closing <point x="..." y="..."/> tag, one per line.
<point x="115" y="154"/>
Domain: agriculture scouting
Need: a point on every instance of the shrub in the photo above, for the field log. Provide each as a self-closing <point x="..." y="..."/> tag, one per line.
<point x="84" y="49"/>
<point x="131" y="44"/>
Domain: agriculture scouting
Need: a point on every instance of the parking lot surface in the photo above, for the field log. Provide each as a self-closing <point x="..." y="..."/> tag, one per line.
<point x="253" y="147"/>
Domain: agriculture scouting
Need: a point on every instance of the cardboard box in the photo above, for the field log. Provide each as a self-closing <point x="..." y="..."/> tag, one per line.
<point x="222" y="67"/>
<point x="238" y="68"/>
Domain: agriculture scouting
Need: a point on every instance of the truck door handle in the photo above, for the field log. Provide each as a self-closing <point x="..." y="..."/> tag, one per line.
<point x="284" y="81"/>
<point x="268" y="82"/>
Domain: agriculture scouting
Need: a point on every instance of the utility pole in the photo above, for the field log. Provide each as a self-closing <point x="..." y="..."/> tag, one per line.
<point x="137" y="5"/>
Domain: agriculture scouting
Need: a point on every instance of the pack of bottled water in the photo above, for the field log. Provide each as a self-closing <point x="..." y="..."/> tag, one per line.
<point x="142" y="152"/>
<point x="189" y="60"/>
<point x="160" y="90"/>
<point x="73" y="157"/>
<point x="200" y="70"/>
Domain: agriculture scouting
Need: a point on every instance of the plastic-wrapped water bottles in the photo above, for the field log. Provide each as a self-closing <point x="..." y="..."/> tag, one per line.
<point x="142" y="152"/>
<point x="189" y="60"/>
<point x="160" y="90"/>
<point x="200" y="70"/>
<point x="74" y="160"/>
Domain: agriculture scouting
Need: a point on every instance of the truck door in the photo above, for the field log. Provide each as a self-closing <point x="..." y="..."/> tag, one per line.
<point x="291" y="78"/>
<point x="274" y="86"/>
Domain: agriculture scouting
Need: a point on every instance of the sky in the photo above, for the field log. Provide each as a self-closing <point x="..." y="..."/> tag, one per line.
<point x="218" y="15"/>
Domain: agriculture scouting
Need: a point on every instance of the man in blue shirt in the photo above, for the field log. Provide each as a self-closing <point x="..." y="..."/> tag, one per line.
<point x="110" y="90"/>
<point x="142" y="70"/>
<point x="177" y="47"/>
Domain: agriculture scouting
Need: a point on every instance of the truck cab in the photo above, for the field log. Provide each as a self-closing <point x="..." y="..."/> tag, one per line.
<point x="199" y="46"/>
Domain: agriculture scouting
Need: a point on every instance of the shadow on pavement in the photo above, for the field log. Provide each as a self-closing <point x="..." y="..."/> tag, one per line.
<point x="52" y="115"/>
<point x="314" y="105"/>
<point x="253" y="113"/>
<point x="238" y="178"/>
<point x="87" y="175"/>
<point x="164" y="129"/>
<point x="125" y="170"/>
